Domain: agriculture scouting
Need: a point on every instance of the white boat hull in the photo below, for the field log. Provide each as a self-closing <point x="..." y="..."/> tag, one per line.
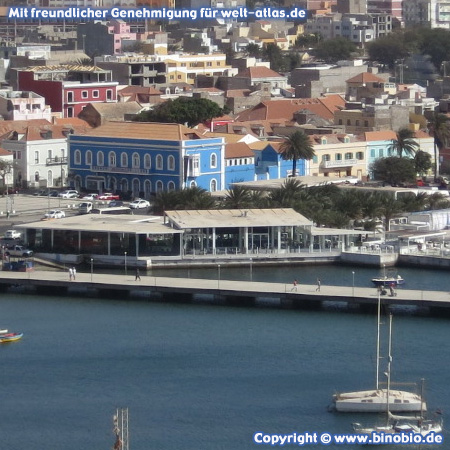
<point x="376" y="401"/>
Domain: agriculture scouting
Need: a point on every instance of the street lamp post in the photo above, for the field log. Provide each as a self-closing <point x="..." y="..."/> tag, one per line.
<point x="92" y="268"/>
<point x="218" y="276"/>
<point x="251" y="269"/>
<point x="125" y="263"/>
<point x="353" y="284"/>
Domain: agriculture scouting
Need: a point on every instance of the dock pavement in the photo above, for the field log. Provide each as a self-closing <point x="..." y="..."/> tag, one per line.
<point x="58" y="282"/>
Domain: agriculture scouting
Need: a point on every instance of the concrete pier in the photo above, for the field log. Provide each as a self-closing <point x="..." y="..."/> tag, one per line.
<point x="243" y="293"/>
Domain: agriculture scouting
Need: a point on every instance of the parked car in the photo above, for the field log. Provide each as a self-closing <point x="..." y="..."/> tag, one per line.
<point x="90" y="197"/>
<point x="53" y="194"/>
<point x="85" y="207"/>
<point x="114" y="203"/>
<point x="18" y="250"/>
<point x="71" y="193"/>
<point x="55" y="214"/>
<point x="13" y="234"/>
<point x="139" y="204"/>
<point x="42" y="192"/>
<point x="108" y="196"/>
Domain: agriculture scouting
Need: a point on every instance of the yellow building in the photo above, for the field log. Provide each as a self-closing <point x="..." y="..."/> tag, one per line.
<point x="338" y="155"/>
<point x="185" y="68"/>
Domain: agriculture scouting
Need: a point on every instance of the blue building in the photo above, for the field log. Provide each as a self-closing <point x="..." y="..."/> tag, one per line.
<point x="269" y="163"/>
<point x="139" y="159"/>
<point x="257" y="161"/>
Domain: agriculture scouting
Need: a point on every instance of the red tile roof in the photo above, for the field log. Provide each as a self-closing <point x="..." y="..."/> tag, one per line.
<point x="238" y="150"/>
<point x="285" y="109"/>
<point x="365" y="77"/>
<point x="259" y="72"/>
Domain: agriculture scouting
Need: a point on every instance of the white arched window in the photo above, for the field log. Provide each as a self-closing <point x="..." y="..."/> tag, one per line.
<point x="112" y="159"/>
<point x="193" y="184"/>
<point x="124" y="159"/>
<point x="49" y="178"/>
<point x="159" y="162"/>
<point x="100" y="159"/>
<point x="171" y="163"/>
<point x="147" y="161"/>
<point x="124" y="185"/>
<point x="77" y="157"/>
<point x="213" y="161"/>
<point x="213" y="185"/>
<point x="170" y="186"/>
<point x="159" y="186"/>
<point x="88" y="158"/>
<point x="36" y="175"/>
<point x="136" y="160"/>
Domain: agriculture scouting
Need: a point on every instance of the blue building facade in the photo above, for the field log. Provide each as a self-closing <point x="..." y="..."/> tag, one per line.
<point x="270" y="165"/>
<point x="140" y="159"/>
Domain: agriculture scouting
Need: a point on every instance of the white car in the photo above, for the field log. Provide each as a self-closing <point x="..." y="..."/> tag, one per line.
<point x="69" y="194"/>
<point x="90" y="197"/>
<point x="55" y="214"/>
<point x="13" y="234"/>
<point x="139" y="204"/>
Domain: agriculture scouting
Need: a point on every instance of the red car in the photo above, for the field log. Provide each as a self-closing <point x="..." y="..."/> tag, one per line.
<point x="108" y="196"/>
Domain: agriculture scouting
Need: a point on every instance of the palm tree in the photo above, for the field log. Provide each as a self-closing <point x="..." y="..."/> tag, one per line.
<point x="237" y="197"/>
<point x="405" y="143"/>
<point x="439" y="127"/>
<point x="297" y="146"/>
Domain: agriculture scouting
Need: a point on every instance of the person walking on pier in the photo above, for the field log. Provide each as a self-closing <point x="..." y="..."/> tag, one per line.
<point x="74" y="273"/>
<point x="318" y="285"/>
<point x="70" y="274"/>
<point x="294" y="288"/>
<point x="138" y="276"/>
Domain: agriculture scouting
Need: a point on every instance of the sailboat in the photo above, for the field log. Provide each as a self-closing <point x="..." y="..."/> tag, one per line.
<point x="374" y="400"/>
<point x="395" y="423"/>
<point x="387" y="280"/>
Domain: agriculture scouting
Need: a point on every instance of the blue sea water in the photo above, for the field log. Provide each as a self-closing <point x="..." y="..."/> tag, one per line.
<point x="196" y="376"/>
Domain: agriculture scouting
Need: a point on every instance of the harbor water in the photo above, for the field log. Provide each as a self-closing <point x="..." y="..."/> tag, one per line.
<point x="198" y="376"/>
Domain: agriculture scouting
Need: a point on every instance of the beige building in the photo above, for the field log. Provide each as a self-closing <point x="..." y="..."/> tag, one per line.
<point x="185" y="68"/>
<point x="338" y="155"/>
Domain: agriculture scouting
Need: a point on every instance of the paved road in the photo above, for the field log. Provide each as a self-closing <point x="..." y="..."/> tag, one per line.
<point x="31" y="208"/>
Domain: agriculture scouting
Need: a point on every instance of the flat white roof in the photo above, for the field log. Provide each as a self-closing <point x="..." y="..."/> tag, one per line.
<point x="135" y="224"/>
<point x="239" y="218"/>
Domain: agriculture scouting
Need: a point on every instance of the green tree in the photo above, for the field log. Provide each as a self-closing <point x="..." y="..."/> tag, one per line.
<point x="439" y="126"/>
<point x="388" y="49"/>
<point x="405" y="143"/>
<point x="394" y="170"/>
<point x="183" y="110"/>
<point x="332" y="50"/>
<point x="389" y="208"/>
<point x="422" y="162"/>
<point x="437" y="201"/>
<point x="237" y="197"/>
<point x="308" y="40"/>
<point x="253" y="50"/>
<point x="435" y="43"/>
<point x="274" y="55"/>
<point x="297" y="146"/>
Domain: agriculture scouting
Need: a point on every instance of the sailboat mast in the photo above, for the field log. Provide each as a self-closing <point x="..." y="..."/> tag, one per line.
<point x="377" y="381"/>
<point x="389" y="367"/>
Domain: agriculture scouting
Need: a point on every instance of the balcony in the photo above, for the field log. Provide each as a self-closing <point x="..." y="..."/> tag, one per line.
<point x="339" y="163"/>
<point x="56" y="161"/>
